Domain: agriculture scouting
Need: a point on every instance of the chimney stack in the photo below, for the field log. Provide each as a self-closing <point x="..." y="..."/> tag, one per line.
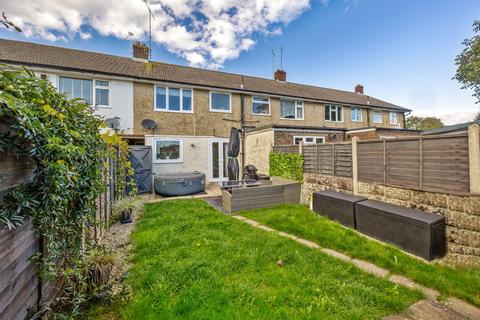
<point x="280" y="75"/>
<point x="140" y="51"/>
<point x="359" y="89"/>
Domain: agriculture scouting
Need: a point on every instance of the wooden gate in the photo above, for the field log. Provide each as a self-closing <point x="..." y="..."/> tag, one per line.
<point x="141" y="161"/>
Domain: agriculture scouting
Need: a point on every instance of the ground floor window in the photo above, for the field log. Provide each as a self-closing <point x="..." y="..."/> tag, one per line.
<point x="168" y="150"/>
<point x="308" y="140"/>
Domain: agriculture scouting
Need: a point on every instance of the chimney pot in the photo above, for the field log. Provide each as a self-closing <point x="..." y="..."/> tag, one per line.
<point x="140" y="51"/>
<point x="280" y="75"/>
<point x="359" y="89"/>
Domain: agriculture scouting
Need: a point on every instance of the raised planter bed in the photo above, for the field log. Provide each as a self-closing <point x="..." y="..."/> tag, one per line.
<point x="265" y="195"/>
<point x="337" y="206"/>
<point x="415" y="231"/>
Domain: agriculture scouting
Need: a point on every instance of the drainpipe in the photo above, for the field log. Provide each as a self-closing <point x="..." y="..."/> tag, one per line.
<point x="405" y="115"/>
<point x="243" y="127"/>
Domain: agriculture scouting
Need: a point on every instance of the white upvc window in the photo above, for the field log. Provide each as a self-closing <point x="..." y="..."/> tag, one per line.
<point x="333" y="113"/>
<point x="291" y="109"/>
<point x="102" y="93"/>
<point x="94" y="92"/>
<point x="356" y="115"/>
<point x="167" y="150"/>
<point x="173" y="99"/>
<point x="308" y="140"/>
<point x="220" y="102"/>
<point x="377" y="117"/>
<point x="393" y="118"/>
<point x="261" y="106"/>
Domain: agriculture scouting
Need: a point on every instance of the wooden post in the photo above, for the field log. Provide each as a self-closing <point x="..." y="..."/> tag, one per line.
<point x="420" y="173"/>
<point x="355" y="165"/>
<point x="474" y="157"/>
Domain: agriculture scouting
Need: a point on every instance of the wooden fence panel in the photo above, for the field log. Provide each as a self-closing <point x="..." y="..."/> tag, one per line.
<point x="371" y="161"/>
<point x="435" y="164"/>
<point x="328" y="159"/>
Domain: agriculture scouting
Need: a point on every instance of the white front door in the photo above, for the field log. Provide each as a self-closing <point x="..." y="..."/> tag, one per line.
<point x="217" y="159"/>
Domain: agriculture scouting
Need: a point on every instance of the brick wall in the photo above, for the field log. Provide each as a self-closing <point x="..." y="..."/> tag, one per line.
<point x="286" y="137"/>
<point x="378" y="133"/>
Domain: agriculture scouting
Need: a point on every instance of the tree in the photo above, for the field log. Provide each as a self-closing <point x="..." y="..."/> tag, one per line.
<point x="424" y="123"/>
<point x="468" y="63"/>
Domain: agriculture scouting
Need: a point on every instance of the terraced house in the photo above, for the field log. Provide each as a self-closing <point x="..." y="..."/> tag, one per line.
<point x="194" y="109"/>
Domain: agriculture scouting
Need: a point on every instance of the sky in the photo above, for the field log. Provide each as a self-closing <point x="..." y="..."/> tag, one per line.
<point x="400" y="51"/>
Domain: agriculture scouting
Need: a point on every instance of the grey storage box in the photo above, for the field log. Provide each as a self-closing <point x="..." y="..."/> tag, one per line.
<point x="415" y="231"/>
<point x="337" y="206"/>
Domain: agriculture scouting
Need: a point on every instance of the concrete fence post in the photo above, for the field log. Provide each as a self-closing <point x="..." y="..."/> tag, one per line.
<point x="474" y="157"/>
<point x="355" y="165"/>
<point x="300" y="147"/>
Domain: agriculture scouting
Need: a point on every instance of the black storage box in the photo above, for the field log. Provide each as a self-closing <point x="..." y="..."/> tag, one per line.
<point x="337" y="206"/>
<point x="415" y="231"/>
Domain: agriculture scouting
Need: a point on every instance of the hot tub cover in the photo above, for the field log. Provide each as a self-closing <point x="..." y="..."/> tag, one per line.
<point x="180" y="175"/>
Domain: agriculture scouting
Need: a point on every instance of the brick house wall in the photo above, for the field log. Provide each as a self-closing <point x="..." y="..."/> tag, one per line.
<point x="286" y="137"/>
<point x="379" y="133"/>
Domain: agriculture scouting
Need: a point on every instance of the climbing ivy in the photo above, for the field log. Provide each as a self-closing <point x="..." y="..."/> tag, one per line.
<point x="62" y="138"/>
<point x="286" y="165"/>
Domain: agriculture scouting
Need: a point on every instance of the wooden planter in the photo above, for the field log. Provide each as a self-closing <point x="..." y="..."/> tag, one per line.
<point x="280" y="191"/>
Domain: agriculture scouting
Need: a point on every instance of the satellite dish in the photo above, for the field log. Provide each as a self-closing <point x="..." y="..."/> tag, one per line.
<point x="113" y="123"/>
<point x="149" y="124"/>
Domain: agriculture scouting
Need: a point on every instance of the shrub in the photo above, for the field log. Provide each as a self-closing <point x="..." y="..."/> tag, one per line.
<point x="286" y="165"/>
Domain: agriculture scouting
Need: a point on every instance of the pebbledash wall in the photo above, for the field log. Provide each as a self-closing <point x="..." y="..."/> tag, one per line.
<point x="462" y="213"/>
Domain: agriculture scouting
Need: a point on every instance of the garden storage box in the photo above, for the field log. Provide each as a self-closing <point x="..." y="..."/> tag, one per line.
<point x="337" y="206"/>
<point x="415" y="231"/>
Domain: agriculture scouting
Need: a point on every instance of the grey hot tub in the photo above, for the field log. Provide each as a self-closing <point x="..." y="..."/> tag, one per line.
<point x="179" y="183"/>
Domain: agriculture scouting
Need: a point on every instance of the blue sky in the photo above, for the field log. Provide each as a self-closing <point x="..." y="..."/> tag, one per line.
<point x="401" y="51"/>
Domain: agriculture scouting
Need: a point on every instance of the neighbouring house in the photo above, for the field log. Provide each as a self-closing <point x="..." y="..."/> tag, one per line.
<point x="194" y="109"/>
<point x="449" y="130"/>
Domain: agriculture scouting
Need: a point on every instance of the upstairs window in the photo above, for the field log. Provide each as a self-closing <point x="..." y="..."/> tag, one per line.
<point x="333" y="113"/>
<point x="173" y="99"/>
<point x="377" y="117"/>
<point x="76" y="89"/>
<point x="356" y="114"/>
<point x="291" y="109"/>
<point x="393" y="118"/>
<point x="220" y="102"/>
<point x="261" y="106"/>
<point x="102" y="93"/>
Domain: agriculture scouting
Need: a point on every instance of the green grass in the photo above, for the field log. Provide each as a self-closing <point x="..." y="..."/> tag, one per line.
<point x="193" y="262"/>
<point x="299" y="220"/>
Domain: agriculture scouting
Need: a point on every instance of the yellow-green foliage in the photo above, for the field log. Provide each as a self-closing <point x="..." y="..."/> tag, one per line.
<point x="286" y="165"/>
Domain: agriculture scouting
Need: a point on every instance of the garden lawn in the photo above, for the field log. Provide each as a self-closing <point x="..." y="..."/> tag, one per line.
<point x="300" y="221"/>
<point x="193" y="262"/>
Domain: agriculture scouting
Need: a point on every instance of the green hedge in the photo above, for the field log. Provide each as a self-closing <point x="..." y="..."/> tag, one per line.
<point x="286" y="165"/>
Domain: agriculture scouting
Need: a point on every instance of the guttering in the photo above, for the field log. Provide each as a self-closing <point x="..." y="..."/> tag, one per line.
<point x="50" y="69"/>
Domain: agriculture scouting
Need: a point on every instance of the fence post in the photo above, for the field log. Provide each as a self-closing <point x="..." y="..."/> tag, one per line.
<point x="333" y="159"/>
<point x="355" y="165"/>
<point x="300" y="147"/>
<point x="420" y="173"/>
<point x="474" y="157"/>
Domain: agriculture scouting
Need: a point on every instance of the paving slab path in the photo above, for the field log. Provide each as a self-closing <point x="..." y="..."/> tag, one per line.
<point x="428" y="309"/>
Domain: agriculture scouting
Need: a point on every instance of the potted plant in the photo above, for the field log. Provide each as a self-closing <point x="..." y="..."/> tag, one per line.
<point x="124" y="207"/>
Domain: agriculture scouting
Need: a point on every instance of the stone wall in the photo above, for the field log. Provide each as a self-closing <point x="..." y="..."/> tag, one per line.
<point x="462" y="214"/>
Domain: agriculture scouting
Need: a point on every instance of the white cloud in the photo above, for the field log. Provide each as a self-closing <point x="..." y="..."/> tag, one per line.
<point x="204" y="32"/>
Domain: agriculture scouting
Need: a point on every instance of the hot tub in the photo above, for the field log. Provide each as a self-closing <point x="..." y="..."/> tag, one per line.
<point x="179" y="183"/>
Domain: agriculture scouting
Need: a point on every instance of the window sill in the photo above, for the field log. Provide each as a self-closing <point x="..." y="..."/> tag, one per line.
<point x="294" y="119"/>
<point x="103" y="107"/>
<point x="261" y="114"/>
<point x="172" y="111"/>
<point x="221" y="111"/>
<point x="334" y="121"/>
<point x="168" y="161"/>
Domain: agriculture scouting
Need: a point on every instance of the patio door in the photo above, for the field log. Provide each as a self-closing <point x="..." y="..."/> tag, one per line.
<point x="217" y="159"/>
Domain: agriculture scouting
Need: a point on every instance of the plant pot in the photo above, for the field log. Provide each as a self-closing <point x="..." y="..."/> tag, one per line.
<point x="126" y="216"/>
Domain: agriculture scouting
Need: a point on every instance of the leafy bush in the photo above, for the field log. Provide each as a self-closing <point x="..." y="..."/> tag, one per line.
<point x="286" y="165"/>
<point x="62" y="138"/>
